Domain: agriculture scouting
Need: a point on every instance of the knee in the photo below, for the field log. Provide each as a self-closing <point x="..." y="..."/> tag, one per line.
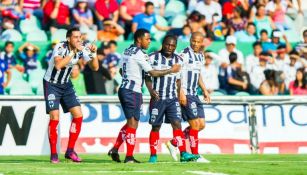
<point x="132" y="123"/>
<point x="176" y="125"/>
<point x="202" y="125"/>
<point x="155" y="128"/>
<point x="54" y="115"/>
<point x="194" y="124"/>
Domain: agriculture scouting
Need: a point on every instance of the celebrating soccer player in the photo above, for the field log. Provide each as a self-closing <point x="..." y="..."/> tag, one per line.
<point x="191" y="106"/>
<point x="164" y="101"/>
<point x="134" y="65"/>
<point x="58" y="89"/>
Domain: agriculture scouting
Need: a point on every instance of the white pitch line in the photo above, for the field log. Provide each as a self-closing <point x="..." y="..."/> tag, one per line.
<point x="269" y="161"/>
<point x="136" y="171"/>
<point x="204" y="173"/>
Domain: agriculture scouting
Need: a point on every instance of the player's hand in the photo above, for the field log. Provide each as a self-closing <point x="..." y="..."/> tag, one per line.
<point x="176" y="68"/>
<point x="245" y="85"/>
<point x="207" y="97"/>
<point x="92" y="47"/>
<point x="182" y="98"/>
<point x="154" y="95"/>
<point x="79" y="48"/>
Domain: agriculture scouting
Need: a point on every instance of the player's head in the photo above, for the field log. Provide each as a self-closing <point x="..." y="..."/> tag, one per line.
<point x="73" y="37"/>
<point x="149" y="8"/>
<point x="196" y="41"/>
<point x="9" y="46"/>
<point x="142" y="38"/>
<point x="169" y="45"/>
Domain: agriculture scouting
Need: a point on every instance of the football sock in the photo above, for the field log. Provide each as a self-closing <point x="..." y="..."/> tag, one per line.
<point x="178" y="137"/>
<point x="53" y="135"/>
<point x="74" y="132"/>
<point x="193" y="138"/>
<point x="130" y="140"/>
<point x="153" y="142"/>
<point x="121" y="137"/>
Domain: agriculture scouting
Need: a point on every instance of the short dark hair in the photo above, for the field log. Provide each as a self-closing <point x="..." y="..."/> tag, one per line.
<point x="69" y="32"/>
<point x="113" y="42"/>
<point x="148" y="4"/>
<point x="171" y="37"/>
<point x="8" y="43"/>
<point x="263" y="31"/>
<point x="257" y="43"/>
<point x="305" y="31"/>
<point x="251" y="24"/>
<point x="233" y="56"/>
<point x="140" y="33"/>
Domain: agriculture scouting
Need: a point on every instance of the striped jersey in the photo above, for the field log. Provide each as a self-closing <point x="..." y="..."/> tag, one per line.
<point x="55" y="76"/>
<point x="190" y="71"/>
<point x="134" y="65"/>
<point x="165" y="85"/>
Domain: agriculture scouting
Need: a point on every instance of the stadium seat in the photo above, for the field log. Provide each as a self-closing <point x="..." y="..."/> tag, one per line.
<point x="217" y="93"/>
<point x="40" y="89"/>
<point x="173" y="8"/>
<point x="179" y="21"/>
<point x="59" y="35"/>
<point x="36" y="78"/>
<point x="21" y="88"/>
<point x="38" y="35"/>
<point x="158" y="35"/>
<point x="91" y="35"/>
<point x="292" y="36"/>
<point x="29" y="25"/>
<point x="242" y="94"/>
<point x="11" y="35"/>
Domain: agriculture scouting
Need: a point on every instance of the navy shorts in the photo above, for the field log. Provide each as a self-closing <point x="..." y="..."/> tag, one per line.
<point x="131" y="103"/>
<point x="170" y="108"/>
<point x="56" y="94"/>
<point x="194" y="108"/>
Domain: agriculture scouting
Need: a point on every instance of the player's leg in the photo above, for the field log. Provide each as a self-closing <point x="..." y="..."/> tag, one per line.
<point x="193" y="134"/>
<point x="52" y="98"/>
<point x="154" y="142"/>
<point x="53" y="135"/>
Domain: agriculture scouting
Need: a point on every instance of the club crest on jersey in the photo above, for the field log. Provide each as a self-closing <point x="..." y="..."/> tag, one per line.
<point x="51" y="97"/>
<point x="155" y="111"/>
<point x="193" y="105"/>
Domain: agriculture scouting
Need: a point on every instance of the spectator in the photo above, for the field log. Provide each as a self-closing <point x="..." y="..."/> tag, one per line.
<point x="186" y="34"/>
<point x="128" y="9"/>
<point x="113" y="48"/>
<point x="277" y="10"/>
<point x="237" y="22"/>
<point x="272" y="46"/>
<point x="218" y="28"/>
<point x="77" y="80"/>
<point x="248" y="35"/>
<point x="33" y="7"/>
<point x="262" y="21"/>
<point x="299" y="85"/>
<point x="209" y="74"/>
<point x="11" y="13"/>
<point x="303" y="61"/>
<point x="106" y="9"/>
<point x="290" y="68"/>
<point x="159" y="6"/>
<point x="49" y="53"/>
<point x="229" y="6"/>
<point x="111" y="31"/>
<point x="236" y="81"/>
<point x="8" y="56"/>
<point x="257" y="72"/>
<point x="69" y="3"/>
<point x="269" y="86"/>
<point x="253" y="59"/>
<point x="56" y="15"/>
<point x="302" y="44"/>
<point x="231" y="43"/>
<point x="82" y="15"/>
<point x="264" y="37"/>
<point x="4" y="70"/>
<point x="147" y="20"/>
<point x="29" y="53"/>
<point x="208" y="8"/>
<point x="282" y="58"/>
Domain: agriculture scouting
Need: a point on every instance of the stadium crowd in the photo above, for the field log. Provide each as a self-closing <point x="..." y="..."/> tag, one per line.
<point x="276" y="66"/>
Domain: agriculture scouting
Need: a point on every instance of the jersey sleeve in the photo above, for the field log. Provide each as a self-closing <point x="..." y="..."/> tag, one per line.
<point x="58" y="50"/>
<point x="87" y="55"/>
<point x="143" y="61"/>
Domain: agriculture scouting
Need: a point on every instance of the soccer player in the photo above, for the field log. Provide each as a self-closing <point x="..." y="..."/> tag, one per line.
<point x="58" y="89"/>
<point x="191" y="106"/>
<point x="134" y="65"/>
<point x="164" y="101"/>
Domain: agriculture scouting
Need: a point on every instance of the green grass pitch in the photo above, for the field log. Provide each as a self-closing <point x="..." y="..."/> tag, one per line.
<point x="101" y="164"/>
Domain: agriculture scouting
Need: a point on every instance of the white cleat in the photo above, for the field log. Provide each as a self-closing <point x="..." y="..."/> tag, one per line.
<point x="172" y="150"/>
<point x="201" y="159"/>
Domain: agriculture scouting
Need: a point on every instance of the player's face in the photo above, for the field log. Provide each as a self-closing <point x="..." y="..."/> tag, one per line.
<point x="150" y="9"/>
<point x="75" y="39"/>
<point x="145" y="41"/>
<point x="169" y="47"/>
<point x="196" y="43"/>
<point x="9" y="48"/>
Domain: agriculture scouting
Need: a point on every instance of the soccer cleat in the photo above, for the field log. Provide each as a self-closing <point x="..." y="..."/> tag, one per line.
<point x="153" y="159"/>
<point x="113" y="153"/>
<point x="172" y="150"/>
<point x="131" y="159"/>
<point x="201" y="159"/>
<point x="73" y="157"/>
<point x="187" y="157"/>
<point x="54" y="159"/>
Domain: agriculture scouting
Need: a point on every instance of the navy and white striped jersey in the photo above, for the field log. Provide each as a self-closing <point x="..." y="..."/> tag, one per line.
<point x="190" y="71"/>
<point x="165" y="85"/>
<point x="62" y="50"/>
<point x="134" y="65"/>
